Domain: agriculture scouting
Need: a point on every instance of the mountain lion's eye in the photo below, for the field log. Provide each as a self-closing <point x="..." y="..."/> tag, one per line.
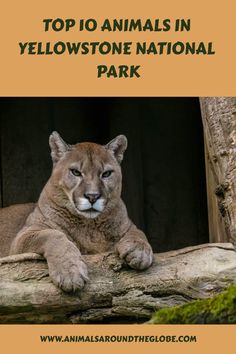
<point x="107" y="174"/>
<point x="75" y="172"/>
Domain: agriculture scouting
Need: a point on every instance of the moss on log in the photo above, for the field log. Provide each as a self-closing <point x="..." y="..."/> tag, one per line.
<point x="219" y="309"/>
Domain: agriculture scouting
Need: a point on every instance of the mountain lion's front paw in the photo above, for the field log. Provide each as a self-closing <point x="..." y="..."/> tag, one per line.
<point x="136" y="253"/>
<point x="69" y="274"/>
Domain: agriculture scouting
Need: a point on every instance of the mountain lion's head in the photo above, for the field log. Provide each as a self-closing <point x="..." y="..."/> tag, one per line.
<point x="87" y="177"/>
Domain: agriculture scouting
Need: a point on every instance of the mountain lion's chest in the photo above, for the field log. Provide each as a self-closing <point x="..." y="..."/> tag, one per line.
<point x="92" y="240"/>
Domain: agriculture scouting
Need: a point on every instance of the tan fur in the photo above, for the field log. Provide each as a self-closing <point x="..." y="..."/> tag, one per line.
<point x="12" y="219"/>
<point x="80" y="211"/>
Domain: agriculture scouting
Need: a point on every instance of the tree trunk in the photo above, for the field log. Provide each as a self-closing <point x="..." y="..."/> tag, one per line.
<point x="115" y="293"/>
<point x="219" y="121"/>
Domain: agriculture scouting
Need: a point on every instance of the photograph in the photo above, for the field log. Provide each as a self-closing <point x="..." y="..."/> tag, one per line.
<point x="117" y="210"/>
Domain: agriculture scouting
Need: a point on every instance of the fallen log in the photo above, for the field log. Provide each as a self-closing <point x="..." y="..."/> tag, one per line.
<point x="115" y="293"/>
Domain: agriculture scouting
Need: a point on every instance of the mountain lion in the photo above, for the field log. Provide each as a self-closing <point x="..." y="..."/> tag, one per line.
<point x="80" y="211"/>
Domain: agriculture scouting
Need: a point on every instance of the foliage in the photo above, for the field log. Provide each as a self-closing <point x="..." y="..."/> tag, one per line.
<point x="218" y="309"/>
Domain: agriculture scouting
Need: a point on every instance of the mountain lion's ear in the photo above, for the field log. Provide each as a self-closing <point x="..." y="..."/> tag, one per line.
<point x="58" y="147"/>
<point x="118" y="146"/>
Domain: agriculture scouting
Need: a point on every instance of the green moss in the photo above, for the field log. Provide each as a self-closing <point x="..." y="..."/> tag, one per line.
<point x="219" y="309"/>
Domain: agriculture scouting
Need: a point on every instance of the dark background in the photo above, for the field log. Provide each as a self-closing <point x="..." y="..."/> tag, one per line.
<point x="163" y="168"/>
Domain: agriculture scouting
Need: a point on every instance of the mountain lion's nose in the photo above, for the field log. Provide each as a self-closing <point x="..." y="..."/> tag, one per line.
<point x="92" y="197"/>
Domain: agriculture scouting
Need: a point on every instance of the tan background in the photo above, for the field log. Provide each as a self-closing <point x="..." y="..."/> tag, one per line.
<point x="26" y="339"/>
<point x="76" y="75"/>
